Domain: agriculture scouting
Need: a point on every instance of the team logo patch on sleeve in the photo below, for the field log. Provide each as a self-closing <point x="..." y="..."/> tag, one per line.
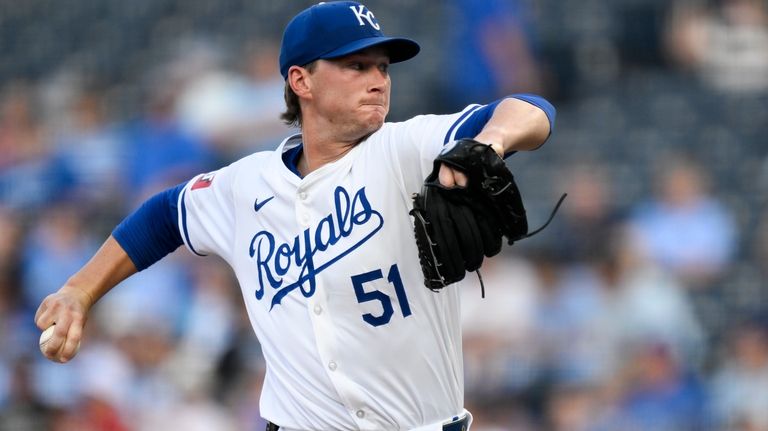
<point x="204" y="181"/>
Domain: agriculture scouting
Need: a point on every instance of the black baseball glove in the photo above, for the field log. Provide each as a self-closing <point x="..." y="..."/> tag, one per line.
<point x="456" y="227"/>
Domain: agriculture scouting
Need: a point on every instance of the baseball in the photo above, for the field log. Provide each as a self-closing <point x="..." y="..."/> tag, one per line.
<point x="46" y="336"/>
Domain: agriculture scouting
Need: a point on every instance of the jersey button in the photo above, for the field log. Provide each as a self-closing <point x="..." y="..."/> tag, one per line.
<point x="332" y="366"/>
<point x="318" y="309"/>
<point x="303" y="196"/>
<point x="360" y="414"/>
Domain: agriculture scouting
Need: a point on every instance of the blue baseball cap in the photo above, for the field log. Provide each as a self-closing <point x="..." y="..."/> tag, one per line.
<point x="335" y="29"/>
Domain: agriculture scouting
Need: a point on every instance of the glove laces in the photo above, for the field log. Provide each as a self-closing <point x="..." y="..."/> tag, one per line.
<point x="528" y="235"/>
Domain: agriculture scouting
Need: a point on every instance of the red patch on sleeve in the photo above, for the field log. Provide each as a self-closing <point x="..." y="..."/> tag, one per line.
<point x="204" y="181"/>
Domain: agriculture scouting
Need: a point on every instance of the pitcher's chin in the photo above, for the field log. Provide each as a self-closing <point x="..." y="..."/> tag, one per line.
<point x="374" y="121"/>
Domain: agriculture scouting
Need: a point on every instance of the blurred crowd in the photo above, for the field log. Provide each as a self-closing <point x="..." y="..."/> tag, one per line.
<point x="643" y="306"/>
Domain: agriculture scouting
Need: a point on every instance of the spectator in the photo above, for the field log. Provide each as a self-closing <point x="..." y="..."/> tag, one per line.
<point x="759" y="248"/>
<point x="209" y="326"/>
<point x="104" y="390"/>
<point x="160" y="294"/>
<point x="726" y="44"/>
<point x="501" y="414"/>
<point x="574" y="407"/>
<point x="588" y="220"/>
<point x="570" y="343"/>
<point x="58" y="242"/>
<point x="498" y="329"/>
<point x="660" y="393"/>
<point x="11" y="236"/>
<point x="491" y="51"/>
<point x="90" y="151"/>
<point x="160" y="152"/>
<point x="235" y="111"/>
<point x="646" y="302"/>
<point x="21" y="137"/>
<point x="23" y="410"/>
<point x="740" y="384"/>
<point x="149" y="346"/>
<point x="29" y="178"/>
<point x="685" y="229"/>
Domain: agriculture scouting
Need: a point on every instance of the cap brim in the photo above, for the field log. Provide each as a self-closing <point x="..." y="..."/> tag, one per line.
<point x="398" y="48"/>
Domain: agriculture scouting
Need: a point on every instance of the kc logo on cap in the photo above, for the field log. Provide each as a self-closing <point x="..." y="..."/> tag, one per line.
<point x="335" y="29"/>
<point x="368" y="16"/>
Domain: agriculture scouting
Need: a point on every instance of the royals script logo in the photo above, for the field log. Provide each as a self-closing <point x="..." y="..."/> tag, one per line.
<point x="315" y="249"/>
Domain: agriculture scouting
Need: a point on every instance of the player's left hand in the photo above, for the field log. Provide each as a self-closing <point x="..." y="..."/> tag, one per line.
<point x="456" y="227"/>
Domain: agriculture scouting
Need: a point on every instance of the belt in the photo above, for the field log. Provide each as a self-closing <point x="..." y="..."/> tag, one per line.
<point x="456" y="425"/>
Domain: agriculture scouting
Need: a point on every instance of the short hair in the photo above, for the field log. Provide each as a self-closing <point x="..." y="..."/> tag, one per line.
<point x="292" y="114"/>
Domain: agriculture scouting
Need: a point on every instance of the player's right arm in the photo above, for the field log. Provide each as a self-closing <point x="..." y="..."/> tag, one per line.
<point x="143" y="238"/>
<point x="68" y="307"/>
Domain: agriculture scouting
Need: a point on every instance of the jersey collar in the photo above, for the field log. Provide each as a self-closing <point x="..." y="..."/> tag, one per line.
<point x="291" y="151"/>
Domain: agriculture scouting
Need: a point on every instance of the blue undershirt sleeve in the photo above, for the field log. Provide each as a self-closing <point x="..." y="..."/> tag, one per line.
<point x="478" y="119"/>
<point x="152" y="231"/>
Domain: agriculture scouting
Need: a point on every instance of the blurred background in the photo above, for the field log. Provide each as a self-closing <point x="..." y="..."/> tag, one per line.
<point x="644" y="306"/>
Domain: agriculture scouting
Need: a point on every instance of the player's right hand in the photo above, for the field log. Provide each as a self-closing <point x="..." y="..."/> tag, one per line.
<point x="68" y="309"/>
<point x="451" y="177"/>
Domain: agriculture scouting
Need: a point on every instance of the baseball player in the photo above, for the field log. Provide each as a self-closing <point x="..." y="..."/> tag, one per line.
<point x="319" y="235"/>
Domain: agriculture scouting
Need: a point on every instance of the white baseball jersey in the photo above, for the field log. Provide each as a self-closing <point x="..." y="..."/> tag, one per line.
<point x="329" y="270"/>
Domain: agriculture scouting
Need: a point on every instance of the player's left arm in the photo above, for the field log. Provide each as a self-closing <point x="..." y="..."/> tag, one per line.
<point x="517" y="123"/>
